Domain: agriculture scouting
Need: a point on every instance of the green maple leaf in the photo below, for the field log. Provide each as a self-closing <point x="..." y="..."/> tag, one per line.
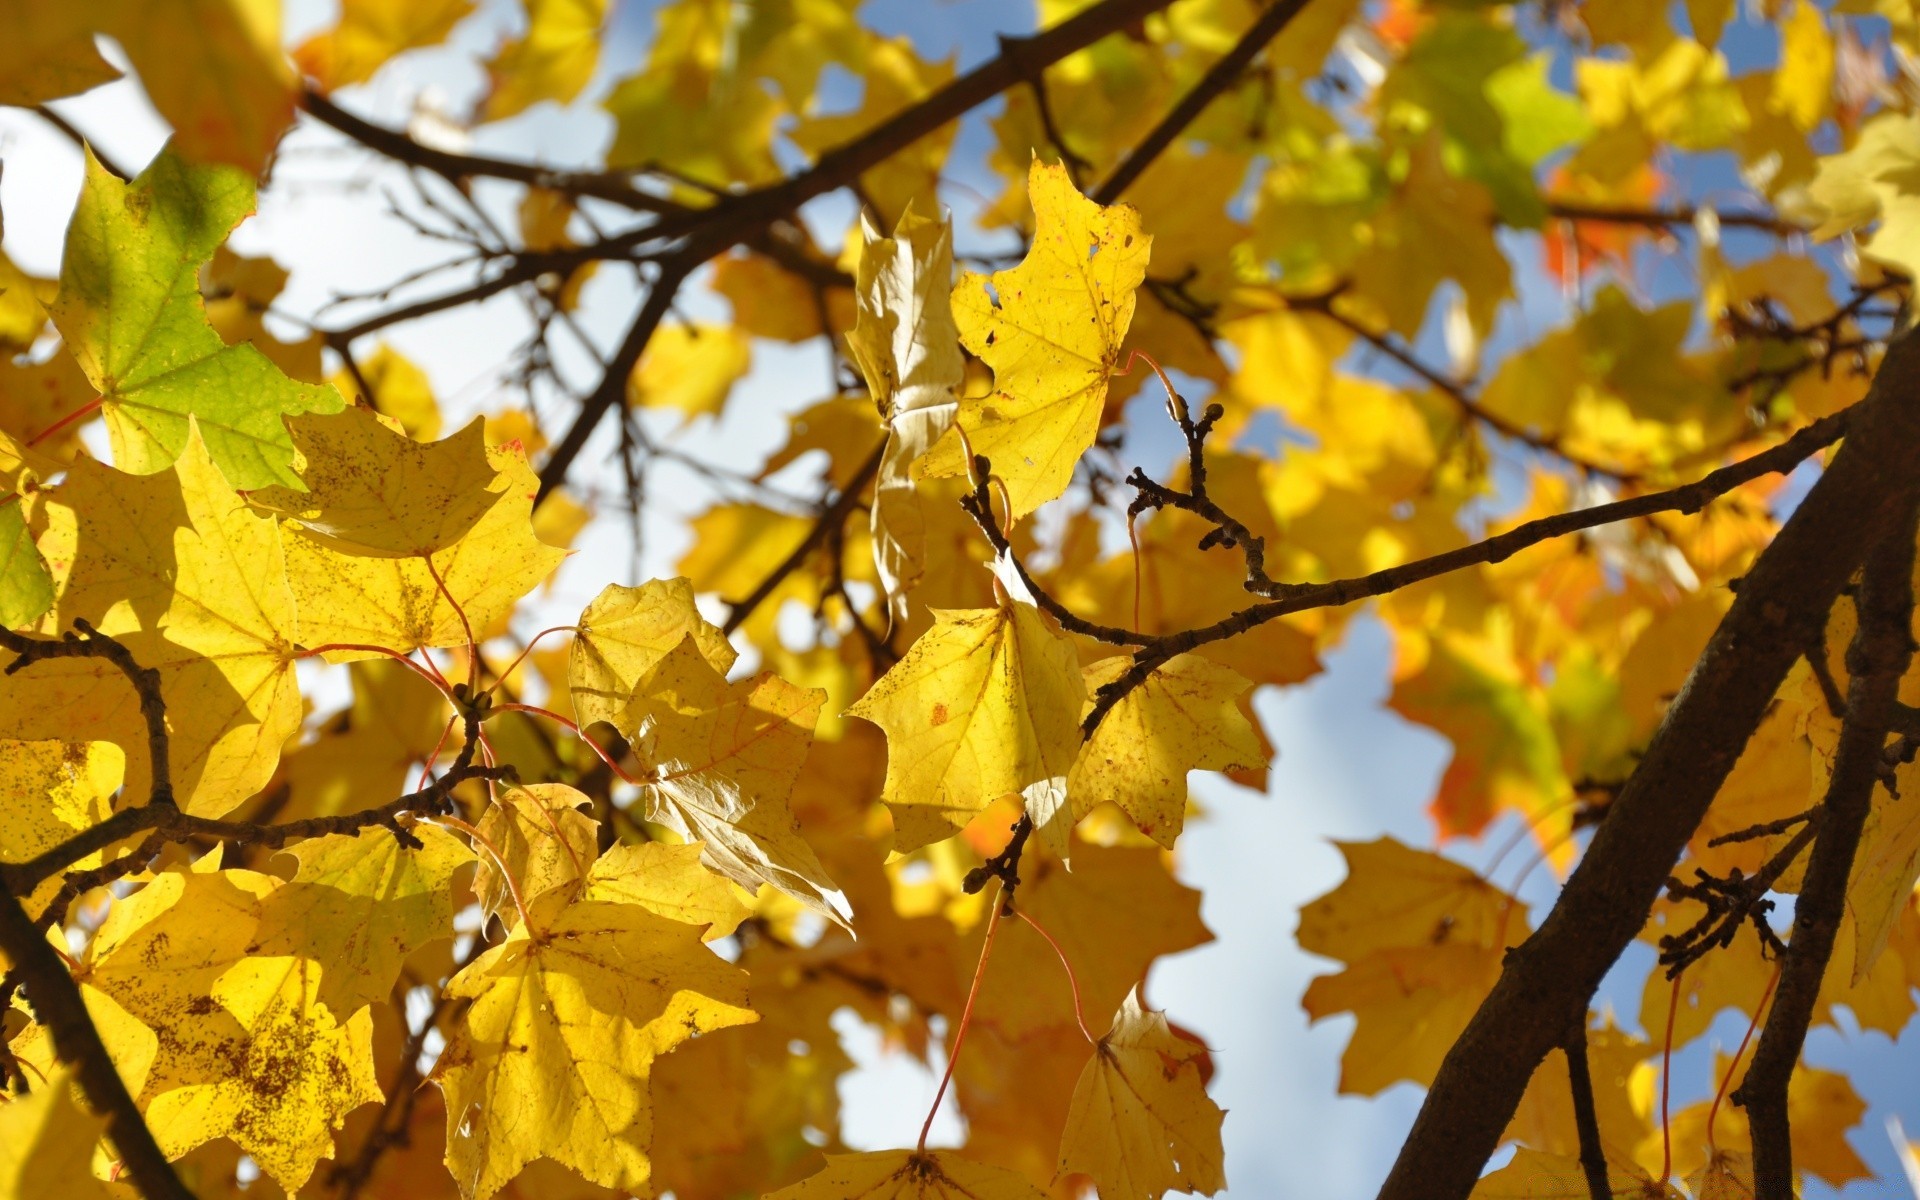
<point x="130" y="310"/>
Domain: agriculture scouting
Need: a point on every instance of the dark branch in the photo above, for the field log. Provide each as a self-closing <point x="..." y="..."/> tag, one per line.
<point x="57" y="1004"/>
<point x="1586" y="1123"/>
<point x="1878" y="657"/>
<point x="1298" y="597"/>
<point x="1547" y="981"/>
<point x="1219" y="77"/>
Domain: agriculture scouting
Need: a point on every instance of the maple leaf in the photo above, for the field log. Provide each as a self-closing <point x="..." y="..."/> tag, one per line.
<point x="47" y="1143"/>
<point x="50" y="791"/>
<point x="404" y="604"/>
<point x="1424" y="939"/>
<point x="370" y="32"/>
<point x="1142" y="1124"/>
<point x="1869" y="182"/>
<point x="670" y="881"/>
<point x="49" y="53"/>
<point x="130" y="310"/>
<point x="1051" y="330"/>
<point x="691" y="368"/>
<point x="1114" y="914"/>
<point x="543" y="839"/>
<point x="1505" y="752"/>
<point x="553" y="1056"/>
<point x="907" y="346"/>
<point x="1185" y="716"/>
<point x="278" y="1080"/>
<point x="723" y="761"/>
<point x="26" y="586"/>
<point x="623" y="633"/>
<point x="195" y="584"/>
<point x="359" y="906"/>
<point x="986" y="704"/>
<point x="554" y="59"/>
<point x="369" y="489"/>
<point x="909" y="1175"/>
<point x="1536" y="1175"/>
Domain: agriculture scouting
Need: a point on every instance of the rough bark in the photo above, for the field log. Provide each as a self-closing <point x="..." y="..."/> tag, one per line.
<point x="1779" y="610"/>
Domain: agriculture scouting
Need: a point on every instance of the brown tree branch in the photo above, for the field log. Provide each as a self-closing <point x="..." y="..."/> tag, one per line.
<point x="1222" y="75"/>
<point x="1878" y="657"/>
<point x="1586" y="1122"/>
<point x="616" y="187"/>
<point x="1548" y="980"/>
<point x="1667" y="217"/>
<point x="1298" y="597"/>
<point x="58" y="1005"/>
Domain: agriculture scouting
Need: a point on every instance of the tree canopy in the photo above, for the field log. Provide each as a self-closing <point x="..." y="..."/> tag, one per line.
<point x="1165" y="345"/>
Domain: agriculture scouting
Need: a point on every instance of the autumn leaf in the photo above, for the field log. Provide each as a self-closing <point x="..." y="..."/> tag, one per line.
<point x="985" y="705"/>
<point x="130" y="310"/>
<point x="909" y="1175"/>
<point x="403" y="604"/>
<point x="47" y="1142"/>
<point x="1184" y="716"/>
<point x="279" y="1080"/>
<point x="1423" y="939"/>
<point x="1534" y="1175"/>
<point x="370" y="32"/>
<point x="691" y="368"/>
<point x="1142" y="1124"/>
<point x="360" y="906"/>
<point x="568" y="1016"/>
<point x="623" y="633"/>
<point x="670" y="881"/>
<point x="1051" y="330"/>
<point x="551" y="61"/>
<point x="723" y="762"/>
<point x="26" y="586"/>
<point x="196" y="585"/>
<point x="908" y="349"/>
<point x="543" y="839"/>
<point x="369" y="489"/>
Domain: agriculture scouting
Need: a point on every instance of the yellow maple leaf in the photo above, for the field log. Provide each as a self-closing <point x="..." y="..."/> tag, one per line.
<point x="1051" y="330"/>
<point x="691" y="368"/>
<point x="986" y="704"/>
<point x="624" y="632"/>
<point x="370" y="32"/>
<point x="1142" y="1123"/>
<point x="909" y="1175"/>
<point x="1184" y="717"/>
<point x="47" y="1142"/>
<point x="553" y="1057"/>
<point x="1870" y="181"/>
<point x="48" y="53"/>
<point x="1424" y="939"/>
<point x="397" y="603"/>
<point x="281" y="1084"/>
<point x="907" y="346"/>
<point x="195" y="584"/>
<point x="360" y="905"/>
<point x="723" y="759"/>
<point x="543" y="839"/>
<point x="1728" y="1175"/>
<point x="50" y="791"/>
<point x="552" y="61"/>
<point x="373" y="490"/>
<point x="668" y="880"/>
<point x="1536" y="1175"/>
<point x="214" y="69"/>
<point x="1113" y="914"/>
